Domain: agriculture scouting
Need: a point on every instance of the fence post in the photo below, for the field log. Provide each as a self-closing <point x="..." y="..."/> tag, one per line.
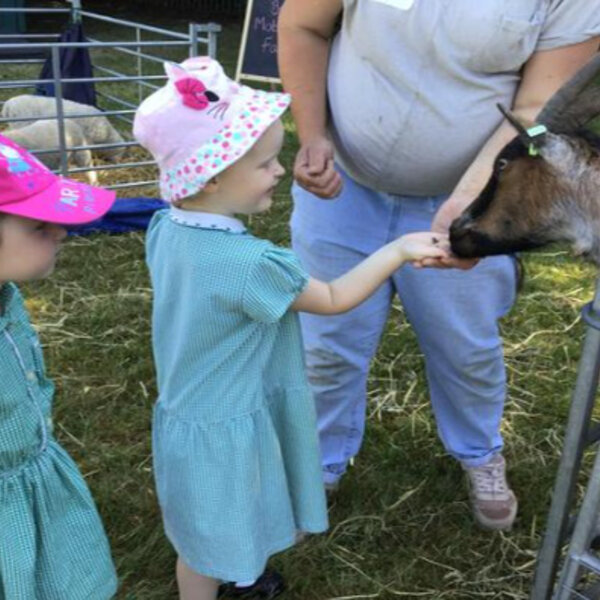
<point x="138" y="38"/>
<point x="213" y="31"/>
<point x="193" y="33"/>
<point x="60" y="116"/>
<point x="75" y="11"/>
<point x="578" y="426"/>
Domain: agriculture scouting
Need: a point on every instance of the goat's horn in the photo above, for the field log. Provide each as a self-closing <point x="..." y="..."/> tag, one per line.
<point x="576" y="103"/>
<point x="510" y="117"/>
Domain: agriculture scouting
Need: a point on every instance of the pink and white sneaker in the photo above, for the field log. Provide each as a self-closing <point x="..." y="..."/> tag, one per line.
<point x="493" y="502"/>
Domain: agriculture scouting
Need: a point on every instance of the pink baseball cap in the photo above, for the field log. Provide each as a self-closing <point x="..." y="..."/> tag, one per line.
<point x="29" y="189"/>
<point x="200" y="123"/>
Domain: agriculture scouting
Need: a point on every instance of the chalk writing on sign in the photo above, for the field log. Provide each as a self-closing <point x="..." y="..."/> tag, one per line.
<point x="258" y="51"/>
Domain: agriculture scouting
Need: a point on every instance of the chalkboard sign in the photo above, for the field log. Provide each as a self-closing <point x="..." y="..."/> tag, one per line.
<point x="258" y="51"/>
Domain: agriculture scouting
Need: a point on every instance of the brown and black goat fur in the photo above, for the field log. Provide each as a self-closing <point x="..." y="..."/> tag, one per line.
<point x="545" y="189"/>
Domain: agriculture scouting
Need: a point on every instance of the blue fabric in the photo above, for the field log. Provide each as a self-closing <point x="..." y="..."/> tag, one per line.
<point x="126" y="214"/>
<point x="12" y="22"/>
<point x="234" y="436"/>
<point x="75" y="63"/>
<point x="454" y="314"/>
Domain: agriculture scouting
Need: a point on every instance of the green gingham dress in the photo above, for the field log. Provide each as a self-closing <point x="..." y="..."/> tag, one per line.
<point x="52" y="543"/>
<point x="234" y="436"/>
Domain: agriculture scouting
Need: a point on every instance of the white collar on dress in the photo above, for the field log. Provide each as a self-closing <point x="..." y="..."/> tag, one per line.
<point x="205" y="220"/>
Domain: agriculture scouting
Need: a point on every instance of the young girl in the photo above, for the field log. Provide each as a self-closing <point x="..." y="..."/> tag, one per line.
<point x="52" y="544"/>
<point x="235" y="445"/>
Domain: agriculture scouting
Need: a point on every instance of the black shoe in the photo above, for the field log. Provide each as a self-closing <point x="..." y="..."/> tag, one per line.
<point x="269" y="585"/>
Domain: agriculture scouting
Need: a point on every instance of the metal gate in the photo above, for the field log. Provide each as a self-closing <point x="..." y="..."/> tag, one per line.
<point x="126" y="69"/>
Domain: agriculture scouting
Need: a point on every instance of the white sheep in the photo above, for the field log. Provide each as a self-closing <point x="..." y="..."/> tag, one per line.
<point x="44" y="135"/>
<point x="96" y="129"/>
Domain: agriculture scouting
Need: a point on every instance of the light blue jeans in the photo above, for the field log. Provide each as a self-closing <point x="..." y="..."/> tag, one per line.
<point x="454" y="314"/>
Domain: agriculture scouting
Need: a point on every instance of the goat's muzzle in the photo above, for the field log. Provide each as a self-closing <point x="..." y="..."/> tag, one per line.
<point x="463" y="238"/>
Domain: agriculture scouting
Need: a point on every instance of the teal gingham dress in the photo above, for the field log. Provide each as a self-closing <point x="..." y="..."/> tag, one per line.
<point x="52" y="543"/>
<point x="234" y="435"/>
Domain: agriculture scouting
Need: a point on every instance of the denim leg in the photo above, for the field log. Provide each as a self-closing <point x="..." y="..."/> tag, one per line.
<point x="330" y="238"/>
<point x="455" y="316"/>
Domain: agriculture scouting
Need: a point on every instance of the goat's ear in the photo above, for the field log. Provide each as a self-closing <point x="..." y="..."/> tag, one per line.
<point x="576" y="103"/>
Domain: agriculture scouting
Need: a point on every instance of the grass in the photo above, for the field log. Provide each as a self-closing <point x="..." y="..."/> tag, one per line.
<point x="400" y="526"/>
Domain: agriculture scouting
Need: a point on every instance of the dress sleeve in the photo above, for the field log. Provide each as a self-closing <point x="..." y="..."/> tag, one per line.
<point x="569" y="22"/>
<point x="157" y="217"/>
<point x="274" y="282"/>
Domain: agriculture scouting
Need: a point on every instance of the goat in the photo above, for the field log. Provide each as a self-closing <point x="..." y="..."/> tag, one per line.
<point x="545" y="184"/>
<point x="44" y="135"/>
<point x="96" y="128"/>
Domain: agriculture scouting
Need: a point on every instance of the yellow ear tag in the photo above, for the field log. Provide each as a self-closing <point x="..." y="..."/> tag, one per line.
<point x="533" y="132"/>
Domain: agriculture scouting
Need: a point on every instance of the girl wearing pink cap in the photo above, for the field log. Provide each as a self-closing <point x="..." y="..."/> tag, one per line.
<point x="53" y="545"/>
<point x="234" y="437"/>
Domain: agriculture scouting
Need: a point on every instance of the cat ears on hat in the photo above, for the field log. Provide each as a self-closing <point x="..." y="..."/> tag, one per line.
<point x="195" y="67"/>
<point x="174" y="71"/>
<point x="192" y="89"/>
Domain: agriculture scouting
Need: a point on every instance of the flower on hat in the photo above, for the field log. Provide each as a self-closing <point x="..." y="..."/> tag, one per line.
<point x="194" y="93"/>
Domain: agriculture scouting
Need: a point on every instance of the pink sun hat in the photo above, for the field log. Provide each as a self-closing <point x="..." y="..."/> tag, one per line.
<point x="29" y="189"/>
<point x="200" y="123"/>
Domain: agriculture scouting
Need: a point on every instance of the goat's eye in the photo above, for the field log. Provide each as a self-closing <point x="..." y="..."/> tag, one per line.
<point x="502" y="164"/>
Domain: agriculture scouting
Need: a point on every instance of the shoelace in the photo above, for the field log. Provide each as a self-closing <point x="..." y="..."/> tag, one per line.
<point x="489" y="479"/>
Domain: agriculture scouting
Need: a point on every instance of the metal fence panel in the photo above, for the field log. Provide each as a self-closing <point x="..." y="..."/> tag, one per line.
<point x="135" y="71"/>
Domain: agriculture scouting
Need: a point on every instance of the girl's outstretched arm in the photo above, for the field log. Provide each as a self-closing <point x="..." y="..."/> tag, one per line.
<point x="355" y="286"/>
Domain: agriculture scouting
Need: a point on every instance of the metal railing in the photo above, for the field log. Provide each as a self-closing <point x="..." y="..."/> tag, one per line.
<point x="125" y="71"/>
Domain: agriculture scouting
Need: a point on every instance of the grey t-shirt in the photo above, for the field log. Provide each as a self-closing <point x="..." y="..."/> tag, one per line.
<point x="413" y="84"/>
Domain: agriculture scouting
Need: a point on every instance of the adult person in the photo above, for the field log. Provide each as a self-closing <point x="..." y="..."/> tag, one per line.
<point x="397" y="120"/>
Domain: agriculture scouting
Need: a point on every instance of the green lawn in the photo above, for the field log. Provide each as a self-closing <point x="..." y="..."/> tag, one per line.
<point x="400" y="525"/>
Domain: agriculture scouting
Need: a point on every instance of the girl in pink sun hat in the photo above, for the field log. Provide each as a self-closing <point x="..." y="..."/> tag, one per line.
<point x="234" y="437"/>
<point x="53" y="545"/>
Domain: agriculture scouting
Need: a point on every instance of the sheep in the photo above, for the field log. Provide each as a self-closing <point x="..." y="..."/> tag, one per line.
<point x="44" y="135"/>
<point x="97" y="129"/>
<point x="545" y="184"/>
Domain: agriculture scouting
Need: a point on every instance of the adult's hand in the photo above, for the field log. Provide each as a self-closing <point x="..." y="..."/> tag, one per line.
<point x="449" y="262"/>
<point x="314" y="169"/>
